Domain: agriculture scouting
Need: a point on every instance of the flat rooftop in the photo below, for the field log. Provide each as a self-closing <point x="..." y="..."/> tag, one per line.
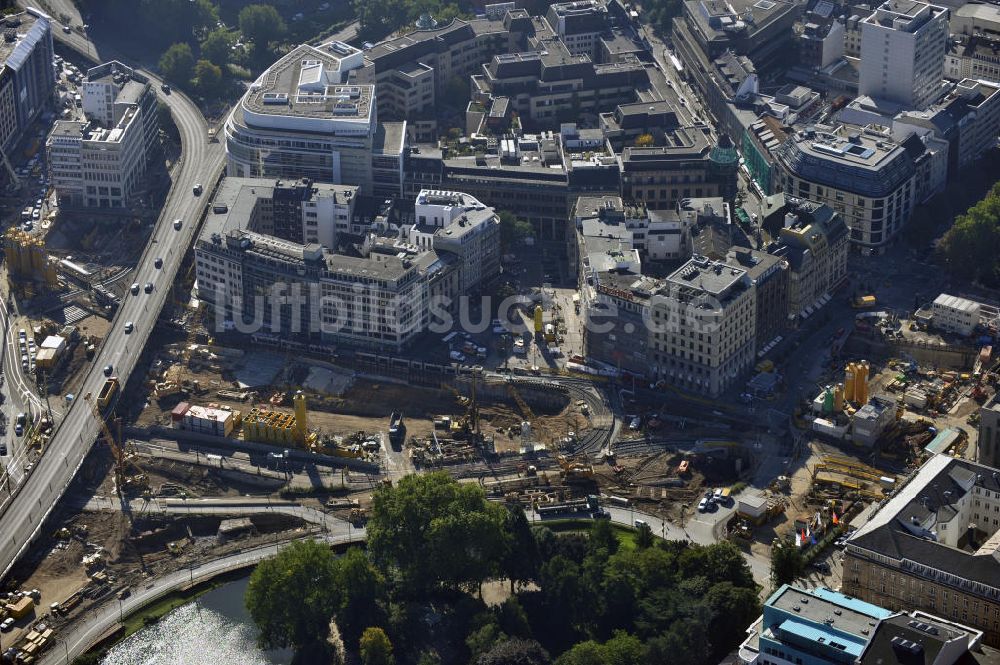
<point x="454" y="31"/>
<point x="720" y="19"/>
<point x="389" y="138"/>
<point x="306" y="83"/>
<point x="835" y="611"/>
<point x="715" y="278"/>
<point x="235" y="200"/>
<point x="904" y="15"/>
<point x="26" y="28"/>
<point x="954" y="302"/>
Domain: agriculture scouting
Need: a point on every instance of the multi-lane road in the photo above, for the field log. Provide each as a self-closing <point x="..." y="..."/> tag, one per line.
<point x="201" y="163"/>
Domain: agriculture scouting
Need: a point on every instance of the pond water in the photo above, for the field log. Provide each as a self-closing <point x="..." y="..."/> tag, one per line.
<point x="215" y="629"/>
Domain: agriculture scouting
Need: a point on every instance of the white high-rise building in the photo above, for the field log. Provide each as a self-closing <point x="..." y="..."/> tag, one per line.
<point x="100" y="163"/>
<point x="902" y="52"/>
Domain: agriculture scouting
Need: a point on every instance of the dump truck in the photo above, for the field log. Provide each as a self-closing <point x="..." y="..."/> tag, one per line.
<point x="108" y="392"/>
<point x="396" y="428"/>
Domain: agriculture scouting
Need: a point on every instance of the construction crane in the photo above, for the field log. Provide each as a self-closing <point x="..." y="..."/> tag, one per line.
<point x="117" y="451"/>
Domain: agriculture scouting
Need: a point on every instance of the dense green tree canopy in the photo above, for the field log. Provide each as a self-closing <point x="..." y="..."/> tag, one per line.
<point x="787" y="564"/>
<point x="208" y="77"/>
<point x="217" y="46"/>
<point x="972" y="245"/>
<point x="292" y="596"/>
<point x="261" y="24"/>
<point x="375" y="648"/>
<point x="432" y="530"/>
<point x="177" y="63"/>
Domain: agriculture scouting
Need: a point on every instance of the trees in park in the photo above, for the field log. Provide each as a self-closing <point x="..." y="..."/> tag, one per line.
<point x="432" y="531"/>
<point x="261" y="24"/>
<point x="292" y="596"/>
<point x="177" y="63"/>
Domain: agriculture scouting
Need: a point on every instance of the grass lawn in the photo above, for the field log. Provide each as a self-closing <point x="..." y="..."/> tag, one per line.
<point x="625" y="535"/>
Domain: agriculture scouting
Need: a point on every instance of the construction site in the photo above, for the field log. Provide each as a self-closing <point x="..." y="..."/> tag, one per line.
<point x="215" y="423"/>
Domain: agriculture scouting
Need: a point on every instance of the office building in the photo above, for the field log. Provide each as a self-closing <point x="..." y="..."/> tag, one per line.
<point x="973" y="57"/>
<point x="616" y="299"/>
<point x="550" y="85"/>
<point x="410" y="72"/>
<point x="955" y="315"/>
<point x="868" y="179"/>
<point x="298" y="211"/>
<point x="972" y="18"/>
<point x="967" y="119"/>
<point x="301" y="119"/>
<point x="813" y="239"/>
<point x="262" y="268"/>
<point x="760" y="138"/>
<point x="102" y="161"/>
<point x="751" y="30"/>
<point x="852" y="35"/>
<point x="579" y="25"/>
<point x="27" y="77"/>
<point x="461" y="225"/>
<point x="703" y="326"/>
<point x="988" y="444"/>
<point x="934" y="546"/>
<point x="975" y="40"/>
<point x="770" y="276"/>
<point x="801" y="626"/>
<point x="821" y="42"/>
<point x="627" y="122"/>
<point x="816" y="626"/>
<point x="678" y="167"/>
<point x="657" y="235"/>
<point x="921" y="637"/>
<point x="708" y="28"/>
<point x="529" y="175"/>
<point x="902" y="52"/>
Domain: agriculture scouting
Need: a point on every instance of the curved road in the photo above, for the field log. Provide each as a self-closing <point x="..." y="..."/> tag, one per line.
<point x="201" y="162"/>
<point x="77" y="641"/>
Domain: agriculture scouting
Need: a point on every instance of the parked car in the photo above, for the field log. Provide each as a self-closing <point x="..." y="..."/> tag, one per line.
<point x="703" y="505"/>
